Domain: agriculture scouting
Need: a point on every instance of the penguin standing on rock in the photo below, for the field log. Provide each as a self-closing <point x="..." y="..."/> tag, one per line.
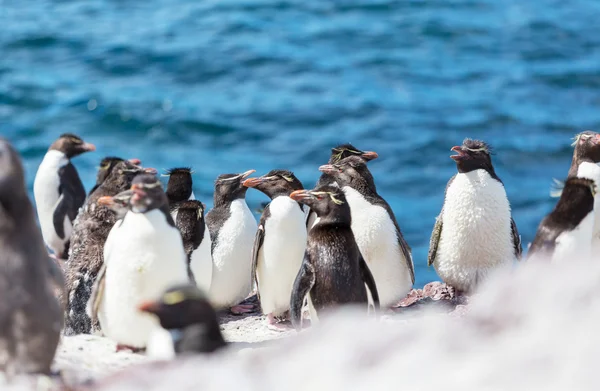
<point x="59" y="193"/>
<point x="87" y="245"/>
<point x="145" y="258"/>
<point x="30" y="313"/>
<point x="474" y="233"/>
<point x="232" y="229"/>
<point x="279" y="244"/>
<point x="333" y="271"/>
<point x="566" y="233"/>
<point x="376" y="230"/>
<point x="338" y="153"/>
<point x="192" y="322"/>
<point x="196" y="241"/>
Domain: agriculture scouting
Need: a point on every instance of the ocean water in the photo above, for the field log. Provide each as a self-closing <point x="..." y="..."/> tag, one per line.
<point x="231" y="85"/>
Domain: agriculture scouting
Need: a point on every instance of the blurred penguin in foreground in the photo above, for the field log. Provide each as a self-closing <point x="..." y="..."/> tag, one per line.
<point x="30" y="314"/>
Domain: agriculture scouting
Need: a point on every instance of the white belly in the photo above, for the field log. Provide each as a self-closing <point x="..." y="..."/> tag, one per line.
<point x="281" y="255"/>
<point x="45" y="191"/>
<point x="232" y="258"/>
<point x="592" y="171"/>
<point x="146" y="258"/>
<point x="202" y="264"/>
<point x="375" y="234"/>
<point x="476" y="235"/>
<point x="575" y="245"/>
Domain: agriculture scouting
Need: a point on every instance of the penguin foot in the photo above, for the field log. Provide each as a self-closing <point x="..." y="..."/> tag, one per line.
<point x="279" y="324"/>
<point x="242" y="309"/>
<point x="122" y="348"/>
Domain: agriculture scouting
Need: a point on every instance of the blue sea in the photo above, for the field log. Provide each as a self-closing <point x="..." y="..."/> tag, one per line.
<point x="231" y="85"/>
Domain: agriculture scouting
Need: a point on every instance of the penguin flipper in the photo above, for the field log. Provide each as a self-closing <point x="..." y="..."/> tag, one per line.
<point x="434" y="242"/>
<point x="93" y="304"/>
<point x="368" y="279"/>
<point x="516" y="238"/>
<point x="73" y="190"/>
<point x="305" y="280"/>
<point x="259" y="239"/>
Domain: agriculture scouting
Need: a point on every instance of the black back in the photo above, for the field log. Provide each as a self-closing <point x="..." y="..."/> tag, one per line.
<point x="179" y="187"/>
<point x="190" y="222"/>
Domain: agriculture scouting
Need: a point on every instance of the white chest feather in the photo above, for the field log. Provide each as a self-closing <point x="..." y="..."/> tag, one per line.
<point x="576" y="244"/>
<point x="281" y="255"/>
<point x="376" y="236"/>
<point x="592" y="171"/>
<point x="476" y="234"/>
<point x="201" y="263"/>
<point x="45" y="191"/>
<point x="232" y="257"/>
<point x="145" y="257"/>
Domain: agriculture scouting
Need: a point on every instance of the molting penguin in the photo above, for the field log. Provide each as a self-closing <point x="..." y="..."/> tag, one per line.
<point x="196" y="241"/>
<point x="179" y="187"/>
<point x="145" y="258"/>
<point x="474" y="233"/>
<point x="376" y="230"/>
<point x="59" y="192"/>
<point x="106" y="166"/>
<point x="232" y="229"/>
<point x="90" y="231"/>
<point x="333" y="271"/>
<point x="566" y="233"/>
<point x="338" y="153"/>
<point x="31" y="314"/>
<point x="184" y="311"/>
<point x="279" y="244"/>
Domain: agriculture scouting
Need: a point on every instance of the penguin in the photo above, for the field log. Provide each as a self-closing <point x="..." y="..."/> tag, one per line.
<point x="232" y="229"/>
<point x="279" y="243"/>
<point x="566" y="233"/>
<point x="196" y="241"/>
<point x="586" y="149"/>
<point x="106" y="166"/>
<point x="59" y="192"/>
<point x="376" y="230"/>
<point x="31" y="314"/>
<point x="338" y="153"/>
<point x="333" y="270"/>
<point x="185" y="312"/>
<point x="90" y="231"/>
<point x="475" y="232"/>
<point x="145" y="258"/>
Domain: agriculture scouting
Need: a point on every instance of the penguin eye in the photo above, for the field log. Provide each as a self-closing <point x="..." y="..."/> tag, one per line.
<point x="172" y="298"/>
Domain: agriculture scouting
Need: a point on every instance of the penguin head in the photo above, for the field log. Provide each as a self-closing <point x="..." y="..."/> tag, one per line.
<point x="343" y="151"/>
<point x="587" y="147"/>
<point x="71" y="145"/>
<point x="148" y="193"/>
<point x="473" y="155"/>
<point x="183" y="306"/>
<point x="12" y="181"/>
<point x="328" y="202"/>
<point x="123" y="173"/>
<point x="229" y="187"/>
<point x="118" y="203"/>
<point x="106" y="166"/>
<point x="351" y="171"/>
<point x="179" y="186"/>
<point x="275" y="183"/>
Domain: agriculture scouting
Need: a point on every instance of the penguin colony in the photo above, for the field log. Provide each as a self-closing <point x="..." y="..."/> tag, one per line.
<point x="148" y="267"/>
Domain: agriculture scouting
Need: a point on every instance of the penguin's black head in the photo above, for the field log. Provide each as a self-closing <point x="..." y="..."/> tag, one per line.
<point x="148" y="193"/>
<point x="123" y="173"/>
<point x="587" y="148"/>
<point x="106" y="166"/>
<point x="12" y="181"/>
<point x="190" y="222"/>
<point x="473" y="155"/>
<point x="275" y="183"/>
<point x="185" y="307"/>
<point x="229" y="187"/>
<point x="118" y="203"/>
<point x="71" y="145"/>
<point x="351" y="171"/>
<point x="328" y="202"/>
<point x="343" y="151"/>
<point x="179" y="187"/>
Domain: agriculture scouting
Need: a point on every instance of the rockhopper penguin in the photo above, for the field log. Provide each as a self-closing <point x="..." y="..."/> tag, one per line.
<point x="587" y="149"/>
<point x="59" y="192"/>
<point x="232" y="229"/>
<point x="338" y="153"/>
<point x="376" y="230"/>
<point x="196" y="241"/>
<point x="106" y="166"/>
<point x="474" y="233"/>
<point x="333" y="271"/>
<point x="566" y="233"/>
<point x="185" y="312"/>
<point x="144" y="259"/>
<point x="279" y="244"/>
<point x="87" y="245"/>
<point x="31" y="314"/>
